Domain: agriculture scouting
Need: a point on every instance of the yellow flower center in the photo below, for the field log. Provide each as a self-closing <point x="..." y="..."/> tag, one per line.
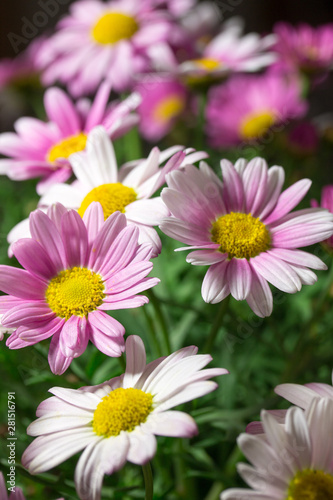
<point x="68" y="146"/>
<point x="207" y="63"/>
<point x="112" y="197"/>
<point x="240" y="235"/>
<point x="256" y="124"/>
<point x="169" y="108"/>
<point x="311" y="485"/>
<point x="122" y="410"/>
<point x="75" y="292"/>
<point x="113" y="27"/>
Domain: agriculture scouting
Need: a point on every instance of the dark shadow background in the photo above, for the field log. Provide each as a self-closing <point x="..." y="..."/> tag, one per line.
<point x="27" y="17"/>
<point x="260" y="15"/>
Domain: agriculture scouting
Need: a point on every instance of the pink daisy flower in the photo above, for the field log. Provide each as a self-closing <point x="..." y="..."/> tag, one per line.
<point x="245" y="107"/>
<point x="74" y="271"/>
<point x="231" y="51"/>
<point x="40" y="149"/>
<point x="128" y="190"/>
<point x="117" y="421"/>
<point x="163" y="100"/>
<point x="292" y="461"/>
<point x="304" y="47"/>
<point x="326" y="202"/>
<point x="243" y="229"/>
<point x="98" y="40"/>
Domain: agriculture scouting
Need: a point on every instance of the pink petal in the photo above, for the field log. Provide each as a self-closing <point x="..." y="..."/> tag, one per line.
<point x="74" y="337"/>
<point x="110" y="230"/>
<point x="277" y="272"/>
<point x="289" y="199"/>
<point x="260" y="298"/>
<point x="255" y="184"/>
<point x="61" y="110"/>
<point x="44" y="230"/>
<point x="33" y="314"/>
<point x="57" y="361"/>
<point x="75" y="239"/>
<point x="98" y="108"/>
<point x="215" y="286"/>
<point x="233" y="191"/>
<point x="119" y="253"/>
<point x="239" y="276"/>
<point x="32" y="256"/>
<point x="21" y="283"/>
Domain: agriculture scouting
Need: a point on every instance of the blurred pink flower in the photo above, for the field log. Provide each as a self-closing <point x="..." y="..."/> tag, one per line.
<point x="41" y="149"/>
<point x="75" y="270"/>
<point x="163" y="100"/>
<point x="115" y="39"/>
<point x="244" y="231"/>
<point x="231" y="51"/>
<point x="245" y="107"/>
<point x="304" y="47"/>
<point x="23" y="67"/>
<point x="117" y="421"/>
<point x="326" y="202"/>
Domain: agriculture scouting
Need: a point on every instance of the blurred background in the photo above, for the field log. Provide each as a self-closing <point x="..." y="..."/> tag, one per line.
<point x="17" y="30"/>
<point x="260" y="16"/>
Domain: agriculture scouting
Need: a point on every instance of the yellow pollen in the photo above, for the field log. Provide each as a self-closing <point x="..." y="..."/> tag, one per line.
<point x="75" y="292"/>
<point x="113" y="197"/>
<point x="207" y="64"/>
<point x="113" y="27"/>
<point x="122" y="410"/>
<point x="169" y="108"/>
<point x="255" y="124"/>
<point x="311" y="485"/>
<point x="240" y="235"/>
<point x="68" y="146"/>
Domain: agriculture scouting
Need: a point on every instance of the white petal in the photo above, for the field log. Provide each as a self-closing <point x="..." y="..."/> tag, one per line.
<point x="142" y="446"/>
<point x="135" y="360"/>
<point x="173" y="424"/>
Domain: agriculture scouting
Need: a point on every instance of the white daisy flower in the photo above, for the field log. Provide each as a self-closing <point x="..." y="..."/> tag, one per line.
<point x="118" y="420"/>
<point x="291" y="461"/>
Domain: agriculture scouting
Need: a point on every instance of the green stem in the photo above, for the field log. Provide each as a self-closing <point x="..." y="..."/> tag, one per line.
<point x="217" y="324"/>
<point x="148" y="479"/>
<point x="161" y="318"/>
<point x="151" y="332"/>
<point x="200" y="131"/>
